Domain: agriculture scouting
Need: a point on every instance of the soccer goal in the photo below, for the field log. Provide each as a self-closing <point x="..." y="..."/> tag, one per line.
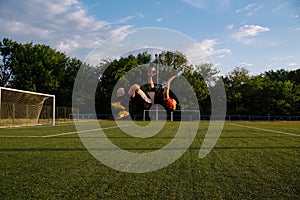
<point x="20" y="108"/>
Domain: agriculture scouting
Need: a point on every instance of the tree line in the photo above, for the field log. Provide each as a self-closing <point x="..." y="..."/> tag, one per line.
<point x="40" y="68"/>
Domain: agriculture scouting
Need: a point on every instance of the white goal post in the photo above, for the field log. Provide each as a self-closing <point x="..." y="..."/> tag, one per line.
<point x="20" y="107"/>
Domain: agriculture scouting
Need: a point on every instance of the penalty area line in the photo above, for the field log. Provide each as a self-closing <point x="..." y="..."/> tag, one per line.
<point x="267" y="130"/>
<point x="60" y="134"/>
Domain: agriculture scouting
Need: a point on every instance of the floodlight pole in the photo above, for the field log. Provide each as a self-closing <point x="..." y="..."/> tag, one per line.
<point x="157" y="70"/>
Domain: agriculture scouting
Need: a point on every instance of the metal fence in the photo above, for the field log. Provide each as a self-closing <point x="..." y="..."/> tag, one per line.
<point x="180" y="116"/>
<point x="63" y="114"/>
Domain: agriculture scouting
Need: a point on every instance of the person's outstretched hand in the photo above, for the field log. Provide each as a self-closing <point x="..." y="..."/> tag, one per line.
<point x="150" y="72"/>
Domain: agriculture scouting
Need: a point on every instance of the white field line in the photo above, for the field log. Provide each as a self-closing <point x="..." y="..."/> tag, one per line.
<point x="55" y="135"/>
<point x="36" y="126"/>
<point x="268" y="130"/>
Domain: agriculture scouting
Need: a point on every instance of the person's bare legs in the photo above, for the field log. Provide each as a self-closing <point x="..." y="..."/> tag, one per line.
<point x="135" y="88"/>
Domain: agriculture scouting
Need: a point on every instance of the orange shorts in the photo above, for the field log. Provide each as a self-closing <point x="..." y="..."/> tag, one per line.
<point x="169" y="102"/>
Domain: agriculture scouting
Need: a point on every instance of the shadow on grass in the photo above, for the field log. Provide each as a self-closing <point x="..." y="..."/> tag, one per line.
<point x="140" y="149"/>
<point x="154" y="137"/>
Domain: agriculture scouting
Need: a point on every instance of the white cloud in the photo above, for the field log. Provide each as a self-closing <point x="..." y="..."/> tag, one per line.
<point x="139" y="14"/>
<point x="211" y="5"/>
<point x="244" y="64"/>
<point x="282" y="58"/>
<point x="250" y="9"/>
<point x="195" y="3"/>
<point x="209" y="45"/>
<point x="123" y="20"/>
<point x="290" y="61"/>
<point x="238" y="10"/>
<point x="64" y="25"/>
<point x="20" y="28"/>
<point x="121" y="33"/>
<point x="159" y="19"/>
<point x="222" y="52"/>
<point x="256" y="9"/>
<point x="196" y="54"/>
<point x="249" y="6"/>
<point x="279" y="7"/>
<point x="204" y="51"/>
<point x="244" y="33"/>
<point x="295" y="16"/>
<point x="230" y="27"/>
<point x="293" y="65"/>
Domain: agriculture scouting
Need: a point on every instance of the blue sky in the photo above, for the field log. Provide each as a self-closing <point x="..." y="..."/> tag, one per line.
<point x="259" y="35"/>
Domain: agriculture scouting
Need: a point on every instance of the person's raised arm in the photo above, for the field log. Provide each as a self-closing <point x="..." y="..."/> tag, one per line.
<point x="167" y="88"/>
<point x="150" y="79"/>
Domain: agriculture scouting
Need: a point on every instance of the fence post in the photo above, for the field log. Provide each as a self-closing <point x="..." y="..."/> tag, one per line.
<point x="65" y="113"/>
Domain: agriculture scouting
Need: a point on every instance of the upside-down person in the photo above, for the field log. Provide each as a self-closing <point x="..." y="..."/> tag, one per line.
<point x="141" y="101"/>
<point x="138" y="99"/>
<point x="154" y="93"/>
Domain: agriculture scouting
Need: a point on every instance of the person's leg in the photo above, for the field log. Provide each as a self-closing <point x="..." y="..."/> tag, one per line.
<point x="135" y="88"/>
<point x="152" y="96"/>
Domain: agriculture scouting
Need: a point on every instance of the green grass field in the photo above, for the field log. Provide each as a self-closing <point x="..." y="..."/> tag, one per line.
<point x="251" y="160"/>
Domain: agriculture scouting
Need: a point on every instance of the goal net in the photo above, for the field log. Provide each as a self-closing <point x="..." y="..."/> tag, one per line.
<point x="19" y="108"/>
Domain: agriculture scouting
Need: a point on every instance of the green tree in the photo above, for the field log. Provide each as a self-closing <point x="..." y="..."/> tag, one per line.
<point x="281" y="89"/>
<point x="201" y="90"/>
<point x="7" y="47"/>
<point x="37" y="68"/>
<point x="64" y="93"/>
<point x="236" y="84"/>
<point x="283" y="75"/>
<point x="115" y="70"/>
<point x="175" y="60"/>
